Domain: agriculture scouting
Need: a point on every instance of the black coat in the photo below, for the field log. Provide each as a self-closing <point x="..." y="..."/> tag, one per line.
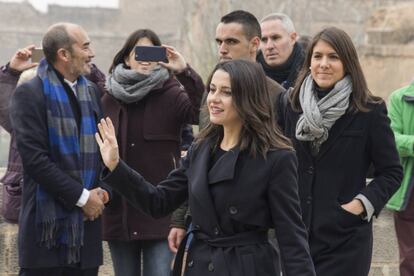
<point x="28" y="114"/>
<point x="239" y="196"/>
<point x="340" y="242"/>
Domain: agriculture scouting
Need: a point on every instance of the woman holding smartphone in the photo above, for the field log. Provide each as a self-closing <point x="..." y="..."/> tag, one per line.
<point x="339" y="129"/>
<point x="239" y="177"/>
<point x="148" y="107"/>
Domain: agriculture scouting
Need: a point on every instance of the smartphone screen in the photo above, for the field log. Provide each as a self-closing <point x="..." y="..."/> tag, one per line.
<point x="151" y="53"/>
<point x="37" y="54"/>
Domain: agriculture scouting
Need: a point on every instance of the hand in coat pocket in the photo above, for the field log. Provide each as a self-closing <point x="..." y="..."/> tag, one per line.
<point x="354" y="207"/>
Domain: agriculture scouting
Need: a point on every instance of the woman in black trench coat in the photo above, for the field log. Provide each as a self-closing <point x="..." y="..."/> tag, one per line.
<point x="338" y="129"/>
<point x="239" y="178"/>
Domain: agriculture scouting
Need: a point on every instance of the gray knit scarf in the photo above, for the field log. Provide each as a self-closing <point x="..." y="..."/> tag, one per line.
<point x="129" y="86"/>
<point x="320" y="115"/>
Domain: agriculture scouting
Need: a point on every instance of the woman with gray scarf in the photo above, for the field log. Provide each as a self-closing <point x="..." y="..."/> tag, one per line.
<point x="148" y="107"/>
<point x="339" y="129"/>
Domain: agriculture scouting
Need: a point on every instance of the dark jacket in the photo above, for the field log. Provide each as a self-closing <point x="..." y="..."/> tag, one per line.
<point x="178" y="218"/>
<point x="284" y="74"/>
<point x="28" y="114"/>
<point x="340" y="242"/>
<point x="13" y="178"/>
<point x="149" y="136"/>
<point x="232" y="205"/>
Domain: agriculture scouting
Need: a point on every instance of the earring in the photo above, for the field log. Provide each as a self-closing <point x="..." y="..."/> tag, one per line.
<point x="310" y="68"/>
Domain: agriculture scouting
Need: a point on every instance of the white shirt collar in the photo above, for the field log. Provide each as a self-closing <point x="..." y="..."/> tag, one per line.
<point x="72" y="85"/>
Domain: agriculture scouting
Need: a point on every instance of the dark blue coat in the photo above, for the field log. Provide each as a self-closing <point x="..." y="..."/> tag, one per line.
<point x="233" y="205"/>
<point x="28" y="115"/>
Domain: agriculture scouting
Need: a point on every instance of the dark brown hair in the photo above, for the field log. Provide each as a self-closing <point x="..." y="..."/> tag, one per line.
<point x="253" y="103"/>
<point x="343" y="46"/>
<point x="251" y="26"/>
<point x="130" y="45"/>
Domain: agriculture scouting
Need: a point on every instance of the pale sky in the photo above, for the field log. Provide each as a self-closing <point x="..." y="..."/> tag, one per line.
<point x="41" y="5"/>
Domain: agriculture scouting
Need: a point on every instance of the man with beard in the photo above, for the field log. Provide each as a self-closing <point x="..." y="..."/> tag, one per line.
<point x="54" y="116"/>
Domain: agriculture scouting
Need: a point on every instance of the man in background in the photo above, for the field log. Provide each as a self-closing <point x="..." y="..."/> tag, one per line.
<point x="280" y="54"/>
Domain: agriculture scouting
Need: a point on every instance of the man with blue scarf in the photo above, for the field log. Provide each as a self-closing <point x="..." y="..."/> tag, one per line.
<point x="54" y="117"/>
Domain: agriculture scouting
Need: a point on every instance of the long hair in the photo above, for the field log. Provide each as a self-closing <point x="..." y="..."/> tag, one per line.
<point x="343" y="46"/>
<point x="130" y="43"/>
<point x="252" y="102"/>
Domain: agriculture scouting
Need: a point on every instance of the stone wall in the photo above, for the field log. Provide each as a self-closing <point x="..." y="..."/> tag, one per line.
<point x="201" y="18"/>
<point x="188" y="24"/>
<point x="388" y="54"/>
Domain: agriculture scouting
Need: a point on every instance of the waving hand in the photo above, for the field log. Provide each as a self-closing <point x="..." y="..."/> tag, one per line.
<point x="108" y="145"/>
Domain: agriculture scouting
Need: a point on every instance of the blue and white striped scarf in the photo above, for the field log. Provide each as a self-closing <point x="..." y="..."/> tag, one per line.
<point x="75" y="152"/>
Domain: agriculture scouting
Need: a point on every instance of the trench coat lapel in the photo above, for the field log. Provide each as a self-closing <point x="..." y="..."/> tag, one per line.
<point x="199" y="181"/>
<point x="224" y="168"/>
<point x="201" y="178"/>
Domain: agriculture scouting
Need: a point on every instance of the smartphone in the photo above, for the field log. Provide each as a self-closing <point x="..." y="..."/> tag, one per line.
<point x="37" y="54"/>
<point x="151" y="53"/>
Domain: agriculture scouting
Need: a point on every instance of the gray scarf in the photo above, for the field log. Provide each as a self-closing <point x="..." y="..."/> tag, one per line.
<point x="320" y="115"/>
<point x="129" y="86"/>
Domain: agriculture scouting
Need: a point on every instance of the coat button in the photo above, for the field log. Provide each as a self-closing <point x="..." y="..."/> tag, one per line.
<point x="233" y="210"/>
<point x="210" y="267"/>
<point x="310" y="170"/>
<point x="197" y="227"/>
<point x="190" y="263"/>
<point x="216" y="231"/>
<point x="309" y="200"/>
<point x="132" y="145"/>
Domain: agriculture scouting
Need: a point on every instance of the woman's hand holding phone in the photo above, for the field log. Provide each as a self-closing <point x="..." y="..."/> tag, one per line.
<point x="176" y="62"/>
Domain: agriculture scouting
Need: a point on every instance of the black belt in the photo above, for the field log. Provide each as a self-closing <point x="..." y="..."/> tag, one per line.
<point x="239" y="239"/>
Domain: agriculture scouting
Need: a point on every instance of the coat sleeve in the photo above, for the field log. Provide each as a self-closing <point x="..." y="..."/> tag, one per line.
<point x="178" y="217"/>
<point x="28" y="114"/>
<point x="404" y="141"/>
<point x="286" y="215"/>
<point x="8" y="82"/>
<point x="187" y="137"/>
<point x="157" y="201"/>
<point x="383" y="153"/>
<point x="188" y="103"/>
<point x="97" y="77"/>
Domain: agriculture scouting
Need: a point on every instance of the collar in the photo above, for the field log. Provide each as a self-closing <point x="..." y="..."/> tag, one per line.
<point x="408" y="95"/>
<point x="72" y="85"/>
<point x="65" y="82"/>
<point x="286" y="73"/>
